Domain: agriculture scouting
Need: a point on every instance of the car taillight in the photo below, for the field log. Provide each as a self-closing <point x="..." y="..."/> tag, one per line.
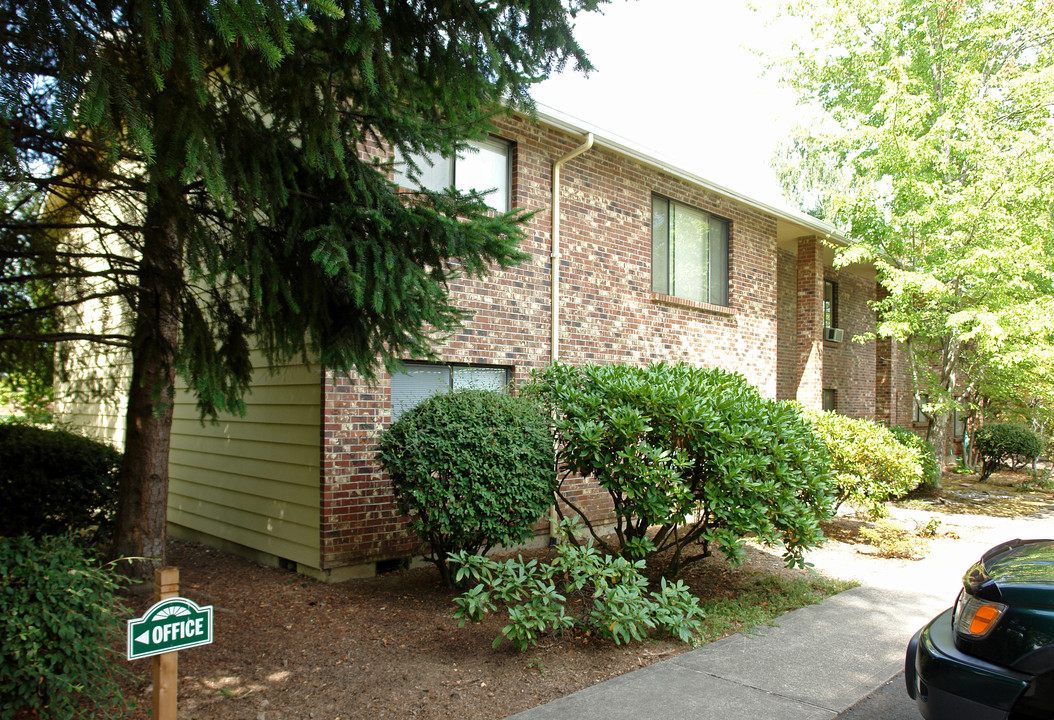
<point x="975" y="618"/>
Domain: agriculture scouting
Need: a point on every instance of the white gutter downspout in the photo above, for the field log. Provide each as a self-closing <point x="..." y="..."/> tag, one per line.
<point x="554" y="518"/>
<point x="555" y="272"/>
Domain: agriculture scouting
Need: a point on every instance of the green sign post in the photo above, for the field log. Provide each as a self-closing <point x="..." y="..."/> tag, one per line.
<point x="169" y="625"/>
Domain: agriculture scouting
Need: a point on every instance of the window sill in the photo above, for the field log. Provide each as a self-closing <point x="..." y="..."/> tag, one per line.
<point x="694" y="304"/>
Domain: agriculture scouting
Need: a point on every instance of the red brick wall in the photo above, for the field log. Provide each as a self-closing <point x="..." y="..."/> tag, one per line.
<point x="787" y="326"/>
<point x="809" y="318"/>
<point x="848" y="367"/>
<point x="608" y="314"/>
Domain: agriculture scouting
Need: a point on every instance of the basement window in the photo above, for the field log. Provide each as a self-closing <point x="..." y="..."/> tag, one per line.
<point x="419" y="381"/>
<point x="830" y="399"/>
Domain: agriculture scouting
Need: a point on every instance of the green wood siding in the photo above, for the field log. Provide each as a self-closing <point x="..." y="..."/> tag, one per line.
<point x="253" y="480"/>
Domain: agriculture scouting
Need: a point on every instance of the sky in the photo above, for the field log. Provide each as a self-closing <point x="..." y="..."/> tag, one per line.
<point x="681" y="78"/>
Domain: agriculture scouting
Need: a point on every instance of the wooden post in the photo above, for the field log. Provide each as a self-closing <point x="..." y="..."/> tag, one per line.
<point x="166" y="672"/>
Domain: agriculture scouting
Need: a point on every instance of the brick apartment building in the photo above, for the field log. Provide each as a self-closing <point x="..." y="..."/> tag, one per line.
<point x="746" y="286"/>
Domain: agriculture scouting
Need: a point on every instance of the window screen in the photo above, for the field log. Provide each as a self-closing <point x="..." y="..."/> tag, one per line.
<point x="480" y="378"/>
<point x="417" y="383"/>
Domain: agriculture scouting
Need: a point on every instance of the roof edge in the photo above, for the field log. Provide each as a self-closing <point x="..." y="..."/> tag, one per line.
<point x="602" y="139"/>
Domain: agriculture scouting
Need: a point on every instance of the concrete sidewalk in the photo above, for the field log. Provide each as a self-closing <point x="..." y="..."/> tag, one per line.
<point x="816" y="662"/>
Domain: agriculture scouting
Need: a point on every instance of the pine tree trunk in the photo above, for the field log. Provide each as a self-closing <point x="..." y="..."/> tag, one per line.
<point x="143" y="503"/>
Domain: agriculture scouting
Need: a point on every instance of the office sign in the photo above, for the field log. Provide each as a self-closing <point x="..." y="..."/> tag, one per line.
<point x="169" y="625"/>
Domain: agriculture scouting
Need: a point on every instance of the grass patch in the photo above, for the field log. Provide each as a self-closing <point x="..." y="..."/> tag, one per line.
<point x="760" y="600"/>
<point x="893" y="540"/>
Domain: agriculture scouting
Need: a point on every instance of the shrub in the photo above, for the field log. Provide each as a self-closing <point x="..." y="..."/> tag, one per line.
<point x="472" y="469"/>
<point x="1003" y="443"/>
<point x="869" y="463"/>
<point x="52" y="481"/>
<point x="927" y="456"/>
<point x="696" y="455"/>
<point x="59" y="620"/>
<point x="608" y="596"/>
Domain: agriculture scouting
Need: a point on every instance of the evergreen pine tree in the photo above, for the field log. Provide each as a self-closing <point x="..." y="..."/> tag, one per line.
<point x="205" y="165"/>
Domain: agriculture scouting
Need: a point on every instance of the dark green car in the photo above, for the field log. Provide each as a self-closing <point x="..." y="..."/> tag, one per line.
<point x="991" y="656"/>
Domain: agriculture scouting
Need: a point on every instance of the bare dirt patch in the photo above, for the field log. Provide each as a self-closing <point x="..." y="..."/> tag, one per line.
<point x="389" y="647"/>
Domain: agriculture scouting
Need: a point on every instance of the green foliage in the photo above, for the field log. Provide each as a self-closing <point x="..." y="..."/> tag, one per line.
<point x="212" y="155"/>
<point x="59" y="620"/>
<point x="210" y="177"/>
<point x="931" y="529"/>
<point x="931" y="467"/>
<point x="27" y="387"/>
<point x="27" y="310"/>
<point x="696" y="454"/>
<point x="28" y="410"/>
<point x="579" y="589"/>
<point x="869" y="462"/>
<point x="52" y="481"/>
<point x="1037" y="483"/>
<point x="1004" y="443"/>
<point x="472" y="469"/>
<point x="932" y="152"/>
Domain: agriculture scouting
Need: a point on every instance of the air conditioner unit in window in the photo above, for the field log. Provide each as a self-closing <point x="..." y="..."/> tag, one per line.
<point x="832" y="334"/>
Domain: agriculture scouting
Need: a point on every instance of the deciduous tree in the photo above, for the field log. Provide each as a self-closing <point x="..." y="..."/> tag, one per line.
<point x="935" y="150"/>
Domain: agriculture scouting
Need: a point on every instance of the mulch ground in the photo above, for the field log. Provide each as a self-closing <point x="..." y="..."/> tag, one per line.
<point x="287" y="647"/>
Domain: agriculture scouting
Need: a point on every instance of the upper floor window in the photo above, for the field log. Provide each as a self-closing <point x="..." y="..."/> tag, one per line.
<point x="419" y="381"/>
<point x="689" y="253"/>
<point x="483" y="166"/>
<point x="830" y="304"/>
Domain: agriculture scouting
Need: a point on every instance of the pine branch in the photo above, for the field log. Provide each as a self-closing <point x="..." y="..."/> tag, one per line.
<point x="19" y="129"/>
<point x="112" y="339"/>
<point x="69" y="226"/>
<point x="45" y="309"/>
<point x="49" y="254"/>
<point x="72" y="275"/>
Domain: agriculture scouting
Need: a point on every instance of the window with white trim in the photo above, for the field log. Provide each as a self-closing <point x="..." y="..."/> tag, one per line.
<point x="689" y="253"/>
<point x="484" y="167"/>
<point x="419" y="381"/>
